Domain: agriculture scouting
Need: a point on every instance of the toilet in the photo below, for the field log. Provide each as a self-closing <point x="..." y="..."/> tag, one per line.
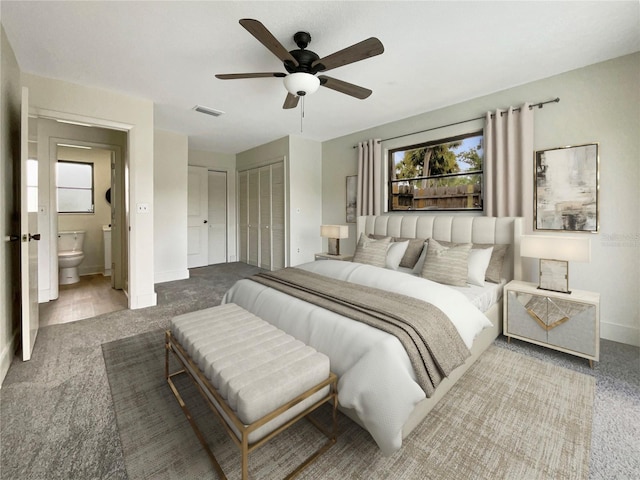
<point x="70" y="255"/>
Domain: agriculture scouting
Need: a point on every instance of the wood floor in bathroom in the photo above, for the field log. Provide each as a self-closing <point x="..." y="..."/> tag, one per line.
<point x="90" y="297"/>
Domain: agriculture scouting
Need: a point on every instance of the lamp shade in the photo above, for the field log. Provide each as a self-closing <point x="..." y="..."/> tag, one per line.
<point x="301" y="83"/>
<point x="334" y="231"/>
<point x="571" y="249"/>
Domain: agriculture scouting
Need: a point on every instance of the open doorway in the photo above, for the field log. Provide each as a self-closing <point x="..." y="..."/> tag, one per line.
<point x="86" y="164"/>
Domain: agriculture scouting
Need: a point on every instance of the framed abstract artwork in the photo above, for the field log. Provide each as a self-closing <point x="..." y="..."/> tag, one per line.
<point x="566" y="189"/>
<point x="352" y="187"/>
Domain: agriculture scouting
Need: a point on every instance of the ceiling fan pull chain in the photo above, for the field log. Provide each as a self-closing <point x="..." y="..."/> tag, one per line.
<point x="301" y="113"/>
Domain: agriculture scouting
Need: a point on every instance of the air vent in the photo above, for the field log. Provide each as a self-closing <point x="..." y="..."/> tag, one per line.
<point x="208" y="111"/>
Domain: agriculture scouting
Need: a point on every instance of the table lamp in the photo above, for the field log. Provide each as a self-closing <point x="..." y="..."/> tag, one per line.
<point x="555" y="253"/>
<point x="334" y="233"/>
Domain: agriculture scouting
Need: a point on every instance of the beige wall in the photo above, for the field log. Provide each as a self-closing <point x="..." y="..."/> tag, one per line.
<point x="9" y="251"/>
<point x="170" y="201"/>
<point x="91" y="223"/>
<point x="599" y="103"/>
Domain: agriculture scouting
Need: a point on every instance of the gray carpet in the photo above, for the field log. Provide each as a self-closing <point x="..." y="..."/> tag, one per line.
<point x="57" y="419"/>
<point x="532" y="420"/>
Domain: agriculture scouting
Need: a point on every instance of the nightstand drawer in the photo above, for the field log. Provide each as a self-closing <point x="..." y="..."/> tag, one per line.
<point x="522" y="321"/>
<point x="578" y="332"/>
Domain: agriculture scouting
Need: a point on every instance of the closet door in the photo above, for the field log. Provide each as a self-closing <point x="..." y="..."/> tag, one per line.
<point x="253" y="227"/>
<point x="217" y="217"/>
<point x="277" y="216"/>
<point x="243" y="215"/>
<point x="265" y="217"/>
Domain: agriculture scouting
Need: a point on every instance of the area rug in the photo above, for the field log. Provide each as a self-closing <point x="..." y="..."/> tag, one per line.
<point x="510" y="416"/>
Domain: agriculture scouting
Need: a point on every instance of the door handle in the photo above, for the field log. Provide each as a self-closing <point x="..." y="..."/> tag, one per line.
<point x="35" y="236"/>
<point x="205" y="221"/>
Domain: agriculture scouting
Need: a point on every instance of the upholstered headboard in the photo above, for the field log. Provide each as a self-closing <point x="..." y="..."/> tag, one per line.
<point x="452" y="228"/>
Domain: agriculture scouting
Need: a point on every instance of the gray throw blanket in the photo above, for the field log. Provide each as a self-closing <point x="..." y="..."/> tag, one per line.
<point x="432" y="342"/>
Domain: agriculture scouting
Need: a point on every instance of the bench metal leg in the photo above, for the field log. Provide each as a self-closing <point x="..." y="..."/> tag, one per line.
<point x="245" y="447"/>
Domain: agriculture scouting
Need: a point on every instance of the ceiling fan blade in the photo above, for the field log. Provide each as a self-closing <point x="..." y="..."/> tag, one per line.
<point x="365" y="49"/>
<point x="233" y="76"/>
<point x="344" y="87"/>
<point x="291" y="101"/>
<point x="264" y="36"/>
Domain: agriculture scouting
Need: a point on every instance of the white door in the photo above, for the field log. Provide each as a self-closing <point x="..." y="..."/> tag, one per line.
<point x="265" y="217"/>
<point x="217" y="217"/>
<point x="243" y="215"/>
<point x="197" y="217"/>
<point x="278" y="217"/>
<point x="253" y="227"/>
<point x="28" y="235"/>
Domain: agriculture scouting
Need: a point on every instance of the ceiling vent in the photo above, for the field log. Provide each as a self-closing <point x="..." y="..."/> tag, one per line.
<point x="208" y="111"/>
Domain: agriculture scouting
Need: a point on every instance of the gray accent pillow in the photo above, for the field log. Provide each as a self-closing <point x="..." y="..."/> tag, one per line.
<point x="375" y="236"/>
<point x="446" y="265"/>
<point x="372" y="252"/>
<point x="494" y="270"/>
<point x="413" y="252"/>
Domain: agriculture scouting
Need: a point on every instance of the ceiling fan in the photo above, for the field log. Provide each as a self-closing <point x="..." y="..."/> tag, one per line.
<point x="303" y="65"/>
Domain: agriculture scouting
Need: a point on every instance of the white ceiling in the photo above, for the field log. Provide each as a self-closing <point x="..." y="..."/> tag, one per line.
<point x="436" y="54"/>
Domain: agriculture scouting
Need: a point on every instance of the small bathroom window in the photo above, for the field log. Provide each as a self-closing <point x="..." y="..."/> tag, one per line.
<point x="75" y="187"/>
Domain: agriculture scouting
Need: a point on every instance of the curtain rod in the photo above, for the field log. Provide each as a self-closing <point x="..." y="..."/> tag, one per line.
<point x="533" y="105"/>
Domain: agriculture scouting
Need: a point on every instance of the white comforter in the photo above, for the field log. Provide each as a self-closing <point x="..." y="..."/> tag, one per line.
<point x="376" y="379"/>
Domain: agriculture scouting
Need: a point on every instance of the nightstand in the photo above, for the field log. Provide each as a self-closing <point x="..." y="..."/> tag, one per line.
<point x="327" y="256"/>
<point x="567" y="322"/>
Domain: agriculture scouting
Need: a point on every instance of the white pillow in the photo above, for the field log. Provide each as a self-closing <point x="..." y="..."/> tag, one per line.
<point x="395" y="252"/>
<point x="477" y="265"/>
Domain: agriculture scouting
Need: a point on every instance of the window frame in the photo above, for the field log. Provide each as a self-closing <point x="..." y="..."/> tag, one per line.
<point x="93" y="182"/>
<point x="391" y="180"/>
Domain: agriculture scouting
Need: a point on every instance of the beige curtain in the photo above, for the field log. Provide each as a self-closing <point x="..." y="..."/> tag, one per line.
<point x="369" y="177"/>
<point x="508" y="165"/>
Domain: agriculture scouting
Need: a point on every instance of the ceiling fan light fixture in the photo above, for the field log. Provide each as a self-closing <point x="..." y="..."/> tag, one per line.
<point x="301" y="83"/>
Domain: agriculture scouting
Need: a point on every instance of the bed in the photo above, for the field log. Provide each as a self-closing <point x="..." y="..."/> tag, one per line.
<point x="377" y="385"/>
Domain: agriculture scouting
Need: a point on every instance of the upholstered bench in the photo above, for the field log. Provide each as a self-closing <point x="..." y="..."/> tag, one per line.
<point x="257" y="379"/>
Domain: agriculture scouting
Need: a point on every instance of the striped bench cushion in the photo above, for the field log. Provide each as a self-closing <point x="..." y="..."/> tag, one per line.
<point x="252" y="364"/>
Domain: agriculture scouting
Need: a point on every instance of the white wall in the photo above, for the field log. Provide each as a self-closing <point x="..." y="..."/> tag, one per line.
<point x="9" y="251"/>
<point x="170" y="206"/>
<point x="305" y="192"/>
<point x="222" y="162"/>
<point x="58" y="99"/>
<point x="599" y="103"/>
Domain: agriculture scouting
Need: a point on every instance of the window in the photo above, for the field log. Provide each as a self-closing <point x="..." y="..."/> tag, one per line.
<point x="445" y="174"/>
<point x="75" y="187"/>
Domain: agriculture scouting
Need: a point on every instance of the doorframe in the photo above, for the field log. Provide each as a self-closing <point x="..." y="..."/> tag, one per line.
<point x="126" y="179"/>
<point x="116" y="151"/>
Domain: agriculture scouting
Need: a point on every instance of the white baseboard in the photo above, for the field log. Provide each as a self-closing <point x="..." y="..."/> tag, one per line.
<point x="142" y="301"/>
<point x="161" y="277"/>
<point x="90" y="269"/>
<point x="6" y="356"/>
<point x="620" y="333"/>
